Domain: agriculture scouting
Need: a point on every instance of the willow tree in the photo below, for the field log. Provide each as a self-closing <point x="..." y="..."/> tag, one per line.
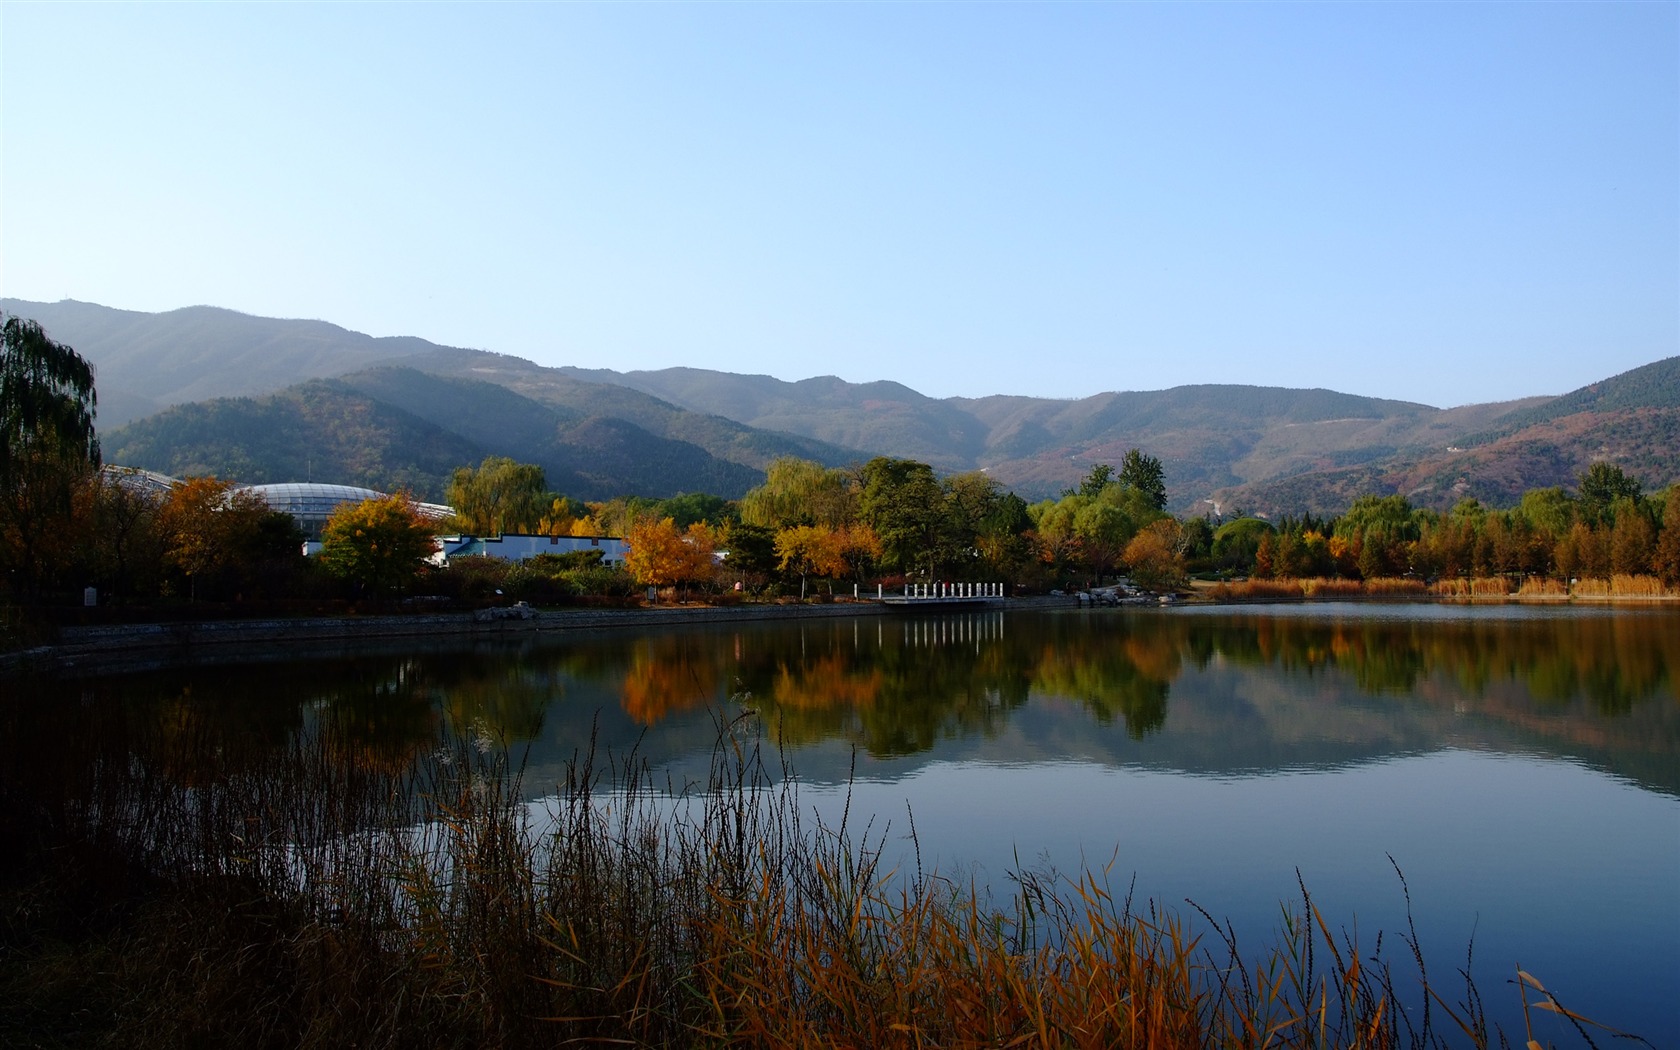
<point x="47" y="448"/>
<point x="502" y="496"/>
<point x="801" y="492"/>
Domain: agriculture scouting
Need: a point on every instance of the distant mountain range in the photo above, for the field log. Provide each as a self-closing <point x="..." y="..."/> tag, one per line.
<point x="206" y="390"/>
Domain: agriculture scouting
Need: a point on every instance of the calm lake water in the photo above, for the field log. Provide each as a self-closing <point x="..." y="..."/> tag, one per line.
<point x="1520" y="766"/>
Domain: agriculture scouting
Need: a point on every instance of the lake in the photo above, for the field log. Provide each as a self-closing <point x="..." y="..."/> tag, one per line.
<point x="1519" y="765"/>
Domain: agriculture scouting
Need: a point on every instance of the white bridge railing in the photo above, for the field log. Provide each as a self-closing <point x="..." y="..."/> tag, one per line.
<point x="941" y="592"/>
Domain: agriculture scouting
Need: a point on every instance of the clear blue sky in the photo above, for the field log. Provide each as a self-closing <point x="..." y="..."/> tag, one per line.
<point x="1436" y="202"/>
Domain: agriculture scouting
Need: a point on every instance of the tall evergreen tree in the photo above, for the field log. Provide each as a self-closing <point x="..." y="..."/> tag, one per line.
<point x="1145" y="474"/>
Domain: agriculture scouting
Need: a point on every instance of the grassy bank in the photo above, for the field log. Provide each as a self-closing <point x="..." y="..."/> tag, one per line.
<point x="166" y="894"/>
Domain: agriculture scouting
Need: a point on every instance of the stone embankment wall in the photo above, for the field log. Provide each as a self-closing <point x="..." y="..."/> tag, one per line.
<point x="142" y="646"/>
<point x="132" y="647"/>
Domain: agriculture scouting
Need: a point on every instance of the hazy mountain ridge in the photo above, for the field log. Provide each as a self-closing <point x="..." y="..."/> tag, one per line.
<point x="146" y="362"/>
<point x="877" y="415"/>
<point x="321" y="430"/>
<point x="565" y="389"/>
<point x="355" y="430"/>
<point x="599" y="432"/>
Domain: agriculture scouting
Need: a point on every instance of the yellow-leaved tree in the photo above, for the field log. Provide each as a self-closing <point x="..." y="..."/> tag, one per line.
<point x="380" y="544"/>
<point x="662" y="555"/>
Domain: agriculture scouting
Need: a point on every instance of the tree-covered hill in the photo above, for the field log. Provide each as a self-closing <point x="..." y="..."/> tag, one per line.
<point x="321" y="430"/>
<point x="372" y="429"/>
<point x="1266" y="449"/>
<point x="879" y="416"/>
<point x="577" y="392"/>
<point x="1644" y="442"/>
<point x="1653" y="386"/>
<point x="146" y="362"/>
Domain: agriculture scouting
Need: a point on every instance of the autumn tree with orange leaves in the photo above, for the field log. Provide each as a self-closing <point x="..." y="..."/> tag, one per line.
<point x="206" y="523"/>
<point x="832" y="553"/>
<point x="662" y="555"/>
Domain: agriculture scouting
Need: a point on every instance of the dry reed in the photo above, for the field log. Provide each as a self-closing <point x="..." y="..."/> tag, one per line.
<point x="1317" y="588"/>
<point x="1257" y="591"/>
<point x="1621" y="585"/>
<point x="1542" y="587"/>
<point x="301" y="900"/>
<point x="1479" y="588"/>
<point x="1395" y="587"/>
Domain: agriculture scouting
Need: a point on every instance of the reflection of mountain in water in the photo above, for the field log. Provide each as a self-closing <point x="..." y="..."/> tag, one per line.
<point x="1209" y="694"/>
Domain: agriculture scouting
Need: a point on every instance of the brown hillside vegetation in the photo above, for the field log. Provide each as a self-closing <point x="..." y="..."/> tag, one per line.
<point x="1645" y="442"/>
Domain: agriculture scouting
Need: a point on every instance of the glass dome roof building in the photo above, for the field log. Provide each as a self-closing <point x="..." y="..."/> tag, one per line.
<point x="311" y="503"/>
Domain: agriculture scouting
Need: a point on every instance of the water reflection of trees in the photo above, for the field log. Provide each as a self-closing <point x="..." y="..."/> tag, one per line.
<point x="895" y="687"/>
<point x="1126" y="676"/>
<point x="1612" y="661"/>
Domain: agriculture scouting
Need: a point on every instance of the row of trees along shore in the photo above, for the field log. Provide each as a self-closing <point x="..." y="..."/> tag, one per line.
<point x="809" y="529"/>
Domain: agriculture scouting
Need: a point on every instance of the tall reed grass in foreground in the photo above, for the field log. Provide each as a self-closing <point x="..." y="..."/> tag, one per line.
<point x="299" y="899"/>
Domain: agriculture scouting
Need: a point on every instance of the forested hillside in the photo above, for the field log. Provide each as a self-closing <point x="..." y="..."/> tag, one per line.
<point x="1631" y="421"/>
<point x="1268" y="450"/>
<point x="560" y="389"/>
<point x="146" y="362"/>
<point x="321" y="430"/>
<point x="361" y="430"/>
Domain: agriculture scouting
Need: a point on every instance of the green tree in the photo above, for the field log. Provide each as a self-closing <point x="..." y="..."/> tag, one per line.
<point x="1144" y="474"/>
<point x="500" y="496"/>
<point x="48" y="449"/>
<point x="1393" y="511"/>
<point x="380" y="544"/>
<point x="752" y="551"/>
<point x="1104" y="529"/>
<point x="1237" y="543"/>
<point x="1198" y="540"/>
<point x="1601" y="486"/>
<point x="1002" y="538"/>
<point x="47" y="397"/>
<point x="686" y="508"/>
<point x="800" y="492"/>
<point x="1551" y="511"/>
<point x="903" y="502"/>
<point x="1100" y="477"/>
